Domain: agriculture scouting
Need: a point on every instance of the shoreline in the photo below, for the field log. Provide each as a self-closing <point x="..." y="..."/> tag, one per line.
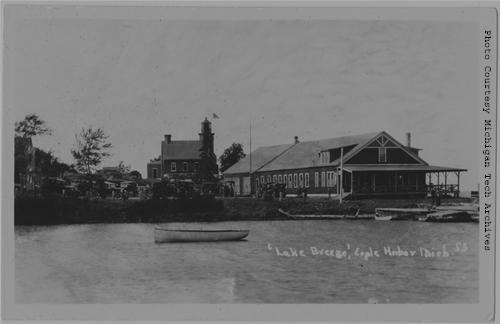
<point x="57" y="211"/>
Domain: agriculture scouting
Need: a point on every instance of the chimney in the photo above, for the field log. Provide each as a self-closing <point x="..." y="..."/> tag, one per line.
<point x="408" y="139"/>
<point x="296" y="139"/>
<point x="168" y="138"/>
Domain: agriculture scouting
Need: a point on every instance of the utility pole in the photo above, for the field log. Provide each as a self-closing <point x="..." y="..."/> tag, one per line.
<point x="341" y="184"/>
<point x="250" y="158"/>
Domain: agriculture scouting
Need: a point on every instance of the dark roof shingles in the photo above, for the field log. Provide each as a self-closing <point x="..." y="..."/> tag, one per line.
<point x="260" y="157"/>
<point x="181" y="150"/>
<point x="305" y="154"/>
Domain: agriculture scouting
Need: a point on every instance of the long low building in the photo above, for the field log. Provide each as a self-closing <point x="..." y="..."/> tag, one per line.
<point x="367" y="165"/>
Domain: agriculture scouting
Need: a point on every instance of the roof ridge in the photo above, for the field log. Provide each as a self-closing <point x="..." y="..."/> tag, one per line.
<point x="344" y="136"/>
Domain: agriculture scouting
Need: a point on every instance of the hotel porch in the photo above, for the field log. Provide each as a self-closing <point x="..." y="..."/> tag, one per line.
<point x="400" y="181"/>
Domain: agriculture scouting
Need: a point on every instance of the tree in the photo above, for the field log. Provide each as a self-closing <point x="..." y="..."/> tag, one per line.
<point x="48" y="165"/>
<point x="31" y="126"/>
<point x="136" y="175"/>
<point x="124" y="169"/>
<point x="91" y="149"/>
<point x="231" y="155"/>
<point x="22" y="158"/>
<point x="208" y="165"/>
<point x="24" y="161"/>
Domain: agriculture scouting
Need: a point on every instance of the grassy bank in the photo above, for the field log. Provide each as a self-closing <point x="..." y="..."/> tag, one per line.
<point x="32" y="211"/>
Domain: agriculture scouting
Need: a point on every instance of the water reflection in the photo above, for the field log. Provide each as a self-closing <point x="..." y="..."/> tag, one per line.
<point x="119" y="263"/>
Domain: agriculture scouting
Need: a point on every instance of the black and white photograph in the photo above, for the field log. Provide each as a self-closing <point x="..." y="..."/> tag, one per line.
<point x="216" y="155"/>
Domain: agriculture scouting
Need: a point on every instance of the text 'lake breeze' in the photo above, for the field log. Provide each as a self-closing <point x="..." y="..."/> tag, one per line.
<point x="367" y="253"/>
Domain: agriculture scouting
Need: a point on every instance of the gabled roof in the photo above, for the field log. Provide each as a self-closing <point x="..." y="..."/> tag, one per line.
<point x="408" y="150"/>
<point x="305" y="154"/>
<point x="177" y="150"/>
<point x="260" y="157"/>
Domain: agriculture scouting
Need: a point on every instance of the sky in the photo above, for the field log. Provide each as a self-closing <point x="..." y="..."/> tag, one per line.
<point x="139" y="79"/>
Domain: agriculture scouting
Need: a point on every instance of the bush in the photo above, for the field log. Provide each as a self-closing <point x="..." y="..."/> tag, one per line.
<point x="65" y="210"/>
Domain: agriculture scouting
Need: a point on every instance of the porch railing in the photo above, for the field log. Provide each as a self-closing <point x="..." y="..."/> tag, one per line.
<point x="389" y="189"/>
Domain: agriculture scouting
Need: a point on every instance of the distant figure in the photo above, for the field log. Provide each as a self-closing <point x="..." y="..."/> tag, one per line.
<point x="124" y="194"/>
<point x="433" y="195"/>
<point x="438" y="199"/>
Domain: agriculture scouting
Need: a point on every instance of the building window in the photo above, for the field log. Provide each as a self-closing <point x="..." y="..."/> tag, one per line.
<point x="274" y="179"/>
<point x="173" y="166"/>
<point x="257" y="184"/>
<point x="196" y="166"/>
<point x="301" y="180"/>
<point x="306" y="180"/>
<point x="155" y="173"/>
<point x="280" y="179"/>
<point x="295" y="182"/>
<point x="185" y="166"/>
<point x="382" y="155"/>
<point x="329" y="178"/>
<point x="323" y="179"/>
<point x="316" y="179"/>
<point x="268" y="179"/>
<point x="262" y="180"/>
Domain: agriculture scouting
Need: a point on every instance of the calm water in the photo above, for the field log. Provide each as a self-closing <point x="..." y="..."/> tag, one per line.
<point x="119" y="263"/>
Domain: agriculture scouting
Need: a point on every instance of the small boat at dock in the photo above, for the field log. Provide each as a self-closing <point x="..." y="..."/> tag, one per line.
<point x="471" y="209"/>
<point x="388" y="214"/>
<point x="447" y="216"/>
<point x="164" y="235"/>
<point x="324" y="216"/>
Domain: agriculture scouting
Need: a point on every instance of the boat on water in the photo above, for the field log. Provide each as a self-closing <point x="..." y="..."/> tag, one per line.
<point x="447" y="216"/>
<point x="164" y="235"/>
<point x="389" y="214"/>
<point x="471" y="209"/>
<point x="324" y="216"/>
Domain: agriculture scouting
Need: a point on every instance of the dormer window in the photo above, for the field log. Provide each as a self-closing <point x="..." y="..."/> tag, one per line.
<point x="382" y="155"/>
<point x="324" y="157"/>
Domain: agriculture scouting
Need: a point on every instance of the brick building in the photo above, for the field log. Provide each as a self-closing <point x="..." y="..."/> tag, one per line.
<point x="186" y="159"/>
<point x="367" y="165"/>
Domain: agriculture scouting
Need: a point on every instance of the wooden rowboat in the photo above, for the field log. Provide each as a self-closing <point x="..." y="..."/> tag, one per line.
<point x="163" y="235"/>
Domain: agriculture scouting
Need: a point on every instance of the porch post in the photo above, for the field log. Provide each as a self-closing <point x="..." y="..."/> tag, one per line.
<point x="445" y="180"/>
<point x="458" y="183"/>
<point x="395" y="182"/>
